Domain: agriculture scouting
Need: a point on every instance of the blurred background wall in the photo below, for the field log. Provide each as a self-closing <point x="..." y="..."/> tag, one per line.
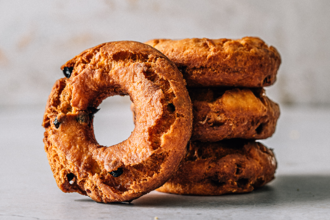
<point x="37" y="37"/>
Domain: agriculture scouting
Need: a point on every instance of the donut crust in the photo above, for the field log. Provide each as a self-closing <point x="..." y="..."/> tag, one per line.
<point x="232" y="113"/>
<point x="221" y="113"/>
<point x="231" y="166"/>
<point x="153" y="151"/>
<point x="246" y="62"/>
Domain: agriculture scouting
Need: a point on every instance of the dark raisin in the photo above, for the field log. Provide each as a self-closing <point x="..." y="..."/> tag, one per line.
<point x="93" y="110"/>
<point x="83" y="118"/>
<point x="267" y="80"/>
<point x="67" y="71"/>
<point x="56" y="123"/>
<point x="117" y="173"/>
<point x="260" y="128"/>
<point x="70" y="177"/>
<point x="238" y="169"/>
<point x="171" y="107"/>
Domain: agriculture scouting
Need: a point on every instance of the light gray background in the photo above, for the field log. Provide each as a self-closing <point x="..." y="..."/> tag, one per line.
<point x="37" y="37"/>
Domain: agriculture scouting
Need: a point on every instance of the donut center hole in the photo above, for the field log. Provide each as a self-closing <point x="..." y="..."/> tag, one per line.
<point x="113" y="123"/>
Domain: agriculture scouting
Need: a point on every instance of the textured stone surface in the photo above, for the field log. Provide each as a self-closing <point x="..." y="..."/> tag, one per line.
<point x="301" y="189"/>
<point x="37" y="37"/>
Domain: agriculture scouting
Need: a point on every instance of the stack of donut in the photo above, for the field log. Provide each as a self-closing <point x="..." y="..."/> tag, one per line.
<point x="194" y="132"/>
<point x="225" y="80"/>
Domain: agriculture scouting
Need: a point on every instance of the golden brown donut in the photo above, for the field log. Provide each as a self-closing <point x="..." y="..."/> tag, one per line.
<point x="247" y="62"/>
<point x="231" y="166"/>
<point x="232" y="113"/>
<point x="221" y="113"/>
<point x="153" y="151"/>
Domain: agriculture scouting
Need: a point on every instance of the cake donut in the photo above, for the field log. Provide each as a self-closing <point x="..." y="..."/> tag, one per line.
<point x="222" y="113"/>
<point x="232" y="113"/>
<point x="230" y="166"/>
<point x="247" y="62"/>
<point x="153" y="151"/>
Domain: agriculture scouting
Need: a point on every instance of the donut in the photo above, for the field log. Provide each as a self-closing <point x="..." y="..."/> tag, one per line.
<point x="153" y="151"/>
<point x="222" y="113"/>
<point x="230" y="166"/>
<point x="247" y="62"/>
<point x="232" y="113"/>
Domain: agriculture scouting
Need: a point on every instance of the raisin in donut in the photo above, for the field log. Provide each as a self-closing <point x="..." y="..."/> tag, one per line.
<point x="221" y="113"/>
<point x="247" y="62"/>
<point x="231" y="166"/>
<point x="153" y="151"/>
<point x="232" y="113"/>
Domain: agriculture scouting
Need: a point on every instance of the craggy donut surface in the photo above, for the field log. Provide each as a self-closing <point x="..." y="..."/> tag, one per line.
<point x="232" y="113"/>
<point x="231" y="166"/>
<point x="153" y="151"/>
<point x="221" y="113"/>
<point x="247" y="62"/>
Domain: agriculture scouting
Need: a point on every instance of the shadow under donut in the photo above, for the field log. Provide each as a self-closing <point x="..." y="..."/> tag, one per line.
<point x="284" y="190"/>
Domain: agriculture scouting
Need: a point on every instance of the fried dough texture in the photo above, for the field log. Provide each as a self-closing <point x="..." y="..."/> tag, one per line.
<point x="230" y="166"/>
<point x="246" y="62"/>
<point x="153" y="151"/>
<point x="222" y="113"/>
<point x="232" y="113"/>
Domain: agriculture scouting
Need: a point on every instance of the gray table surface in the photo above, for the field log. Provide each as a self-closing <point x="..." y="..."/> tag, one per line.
<point x="301" y="189"/>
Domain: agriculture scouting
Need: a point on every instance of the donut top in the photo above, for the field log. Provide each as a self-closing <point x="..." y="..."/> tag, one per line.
<point x="247" y="62"/>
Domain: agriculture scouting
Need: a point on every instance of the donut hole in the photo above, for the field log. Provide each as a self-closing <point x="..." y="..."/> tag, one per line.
<point x="113" y="123"/>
